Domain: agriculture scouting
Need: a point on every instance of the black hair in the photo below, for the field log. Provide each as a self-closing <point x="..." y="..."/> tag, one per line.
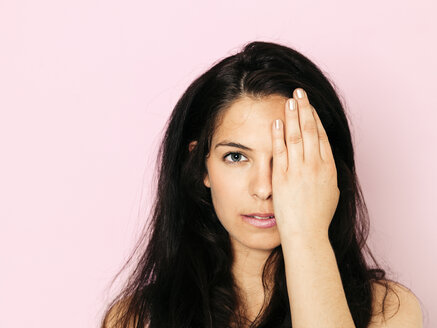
<point x="182" y="277"/>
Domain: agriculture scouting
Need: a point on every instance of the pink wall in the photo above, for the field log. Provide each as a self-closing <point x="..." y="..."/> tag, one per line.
<point x="85" y="89"/>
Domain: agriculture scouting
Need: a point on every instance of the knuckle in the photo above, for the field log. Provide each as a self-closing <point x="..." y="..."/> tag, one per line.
<point x="309" y="127"/>
<point x="313" y="166"/>
<point x="323" y="136"/>
<point x="296" y="171"/>
<point x="278" y="151"/>
<point x="294" y="138"/>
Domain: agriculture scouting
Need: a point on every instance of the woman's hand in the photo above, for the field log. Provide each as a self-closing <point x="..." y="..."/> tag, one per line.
<point x="304" y="178"/>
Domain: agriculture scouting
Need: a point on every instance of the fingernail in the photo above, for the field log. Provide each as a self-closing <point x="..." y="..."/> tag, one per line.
<point x="277" y="124"/>
<point x="300" y="93"/>
<point x="291" y="104"/>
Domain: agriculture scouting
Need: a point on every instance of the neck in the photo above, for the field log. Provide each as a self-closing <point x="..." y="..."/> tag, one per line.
<point x="247" y="270"/>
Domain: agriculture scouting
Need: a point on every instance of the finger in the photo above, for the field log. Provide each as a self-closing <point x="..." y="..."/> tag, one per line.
<point x="293" y="133"/>
<point x="280" y="160"/>
<point x="325" y="146"/>
<point x="311" y="148"/>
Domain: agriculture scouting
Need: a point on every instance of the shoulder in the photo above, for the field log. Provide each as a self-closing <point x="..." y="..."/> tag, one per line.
<point x="401" y="307"/>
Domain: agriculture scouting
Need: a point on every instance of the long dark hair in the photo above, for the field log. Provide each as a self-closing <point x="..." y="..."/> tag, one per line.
<point x="182" y="276"/>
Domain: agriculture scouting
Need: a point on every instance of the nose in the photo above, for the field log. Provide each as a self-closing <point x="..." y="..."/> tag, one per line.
<point x="261" y="180"/>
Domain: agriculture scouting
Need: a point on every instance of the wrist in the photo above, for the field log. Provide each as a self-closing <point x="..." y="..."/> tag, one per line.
<point x="305" y="238"/>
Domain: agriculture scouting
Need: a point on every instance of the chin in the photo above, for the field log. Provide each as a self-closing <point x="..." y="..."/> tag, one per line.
<point x="262" y="244"/>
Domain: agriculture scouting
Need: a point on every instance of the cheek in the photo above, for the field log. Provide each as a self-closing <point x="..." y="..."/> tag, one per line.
<point x="227" y="193"/>
<point x="224" y="179"/>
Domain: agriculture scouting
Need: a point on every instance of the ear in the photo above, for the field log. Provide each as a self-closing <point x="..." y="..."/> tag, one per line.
<point x="206" y="181"/>
<point x="192" y="144"/>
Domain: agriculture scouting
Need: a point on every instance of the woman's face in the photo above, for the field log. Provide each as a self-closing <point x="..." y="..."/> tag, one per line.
<point x="241" y="180"/>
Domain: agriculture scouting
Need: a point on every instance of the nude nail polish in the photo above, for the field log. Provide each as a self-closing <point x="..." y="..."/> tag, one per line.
<point x="300" y="93"/>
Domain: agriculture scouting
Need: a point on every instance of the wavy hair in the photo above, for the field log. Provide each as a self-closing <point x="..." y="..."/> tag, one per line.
<point x="182" y="276"/>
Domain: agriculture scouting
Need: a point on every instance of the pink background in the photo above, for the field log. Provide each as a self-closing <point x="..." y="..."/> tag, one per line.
<point x="85" y="90"/>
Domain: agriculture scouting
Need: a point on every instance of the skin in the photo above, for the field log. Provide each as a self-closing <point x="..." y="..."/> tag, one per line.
<point x="294" y="163"/>
<point x="242" y="184"/>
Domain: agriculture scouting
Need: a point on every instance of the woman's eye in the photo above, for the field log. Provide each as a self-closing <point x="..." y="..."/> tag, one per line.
<point x="233" y="156"/>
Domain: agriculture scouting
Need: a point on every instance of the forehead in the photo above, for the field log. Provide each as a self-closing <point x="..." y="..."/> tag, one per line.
<point x="250" y="117"/>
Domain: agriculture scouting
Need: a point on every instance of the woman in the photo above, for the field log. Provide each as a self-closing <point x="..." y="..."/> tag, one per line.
<point x="259" y="220"/>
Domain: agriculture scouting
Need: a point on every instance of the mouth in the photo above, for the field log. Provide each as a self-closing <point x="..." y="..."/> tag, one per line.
<point x="260" y="216"/>
<point x="260" y="221"/>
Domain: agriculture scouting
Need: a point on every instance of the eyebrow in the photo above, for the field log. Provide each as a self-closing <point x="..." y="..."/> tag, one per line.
<point x="233" y="144"/>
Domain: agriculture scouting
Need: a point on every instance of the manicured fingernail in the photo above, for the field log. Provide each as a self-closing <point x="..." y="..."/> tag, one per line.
<point x="277" y="124"/>
<point x="291" y="104"/>
<point x="300" y="93"/>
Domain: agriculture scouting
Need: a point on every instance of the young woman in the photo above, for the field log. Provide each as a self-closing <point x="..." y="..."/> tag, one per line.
<point x="259" y="219"/>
